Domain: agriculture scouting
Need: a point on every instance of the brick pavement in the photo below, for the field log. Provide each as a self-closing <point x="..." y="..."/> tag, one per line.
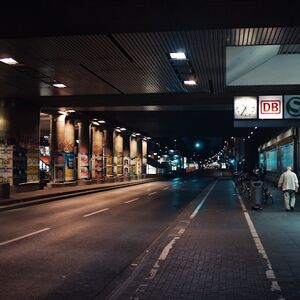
<point x="212" y="256"/>
<point x="280" y="233"/>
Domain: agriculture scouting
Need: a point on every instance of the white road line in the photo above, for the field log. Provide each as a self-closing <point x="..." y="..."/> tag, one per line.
<point x="96" y="212"/>
<point x="165" y="189"/>
<point x="129" y="201"/>
<point x="261" y="250"/>
<point x="152" y="193"/>
<point x="23" y="236"/>
<point x="193" y="215"/>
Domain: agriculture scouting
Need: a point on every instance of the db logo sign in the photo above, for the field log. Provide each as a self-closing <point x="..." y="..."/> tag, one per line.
<point x="270" y="107"/>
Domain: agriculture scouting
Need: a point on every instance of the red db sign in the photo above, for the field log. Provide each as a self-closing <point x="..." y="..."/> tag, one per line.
<point x="270" y="107"/>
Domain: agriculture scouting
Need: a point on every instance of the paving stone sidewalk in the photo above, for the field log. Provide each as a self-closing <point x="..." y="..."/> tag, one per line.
<point x="280" y="233"/>
<point x="212" y="256"/>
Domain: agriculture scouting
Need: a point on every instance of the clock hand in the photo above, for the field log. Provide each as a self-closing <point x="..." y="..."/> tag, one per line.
<point x="245" y="107"/>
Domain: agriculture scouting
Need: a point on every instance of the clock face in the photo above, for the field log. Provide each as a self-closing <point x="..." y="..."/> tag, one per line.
<point x="245" y="107"/>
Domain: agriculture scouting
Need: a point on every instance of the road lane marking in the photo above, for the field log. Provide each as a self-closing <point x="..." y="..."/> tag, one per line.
<point x="275" y="287"/>
<point x="166" y="188"/>
<point x="193" y="215"/>
<point x="150" y="194"/>
<point x="129" y="201"/>
<point x="96" y="212"/>
<point x="24" y="236"/>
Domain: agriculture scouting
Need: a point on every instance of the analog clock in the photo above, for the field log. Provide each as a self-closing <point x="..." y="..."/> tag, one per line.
<point x="245" y="108"/>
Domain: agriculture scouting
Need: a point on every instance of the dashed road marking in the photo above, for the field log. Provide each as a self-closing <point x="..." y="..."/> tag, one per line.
<point x="24" y="236"/>
<point x="270" y="275"/>
<point x="165" y="189"/>
<point x="193" y="215"/>
<point x="132" y="200"/>
<point x="96" y="212"/>
<point x="150" y="194"/>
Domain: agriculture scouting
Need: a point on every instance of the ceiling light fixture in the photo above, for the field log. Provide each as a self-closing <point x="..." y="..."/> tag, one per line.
<point x="95" y="123"/>
<point x="178" y="55"/>
<point x="9" y="61"/>
<point x="189" y="82"/>
<point x="123" y="129"/>
<point x="59" y="85"/>
<point x="102" y="122"/>
<point x="71" y="111"/>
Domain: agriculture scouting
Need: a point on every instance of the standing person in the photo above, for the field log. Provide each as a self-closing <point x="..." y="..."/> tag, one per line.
<point x="289" y="183"/>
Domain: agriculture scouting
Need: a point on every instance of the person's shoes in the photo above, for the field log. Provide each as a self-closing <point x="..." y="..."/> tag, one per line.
<point x="292" y="208"/>
<point x="287" y="210"/>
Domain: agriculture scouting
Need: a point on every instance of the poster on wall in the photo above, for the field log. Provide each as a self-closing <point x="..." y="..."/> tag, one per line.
<point x="119" y="164"/>
<point x="6" y="164"/>
<point x="19" y="165"/>
<point x="132" y="169"/>
<point x="126" y="165"/>
<point x="32" y="165"/>
<point x="97" y="166"/>
<point x="83" y="166"/>
<point x="138" y="166"/>
<point x="69" y="166"/>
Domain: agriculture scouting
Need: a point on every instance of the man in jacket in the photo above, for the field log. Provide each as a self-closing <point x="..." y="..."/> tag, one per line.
<point x="289" y="183"/>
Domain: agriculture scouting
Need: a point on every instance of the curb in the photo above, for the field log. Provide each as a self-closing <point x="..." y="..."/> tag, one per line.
<point x="44" y="199"/>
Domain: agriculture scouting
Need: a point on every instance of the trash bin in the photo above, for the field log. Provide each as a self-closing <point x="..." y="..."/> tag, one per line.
<point x="256" y="193"/>
<point x="4" y="190"/>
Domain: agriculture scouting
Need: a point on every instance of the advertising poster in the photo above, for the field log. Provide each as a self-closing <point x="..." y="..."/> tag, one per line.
<point x="6" y="164"/>
<point x="119" y="163"/>
<point x="109" y="165"/>
<point x="19" y="165"/>
<point x="126" y="165"/>
<point x="138" y="166"/>
<point x="97" y="166"/>
<point x="32" y="165"/>
<point x="59" y="167"/>
<point x="83" y="166"/>
<point x="132" y="169"/>
<point x="69" y="166"/>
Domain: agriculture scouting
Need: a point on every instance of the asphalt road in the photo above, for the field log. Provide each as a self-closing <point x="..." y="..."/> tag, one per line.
<point x="74" y="248"/>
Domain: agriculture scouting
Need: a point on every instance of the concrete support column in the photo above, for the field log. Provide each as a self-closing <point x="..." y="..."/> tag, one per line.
<point x="19" y="142"/>
<point x="144" y="156"/>
<point x="108" y="152"/>
<point x="126" y="154"/>
<point x="118" y="153"/>
<point x="133" y="154"/>
<point x="97" y="153"/>
<point x="83" y="169"/>
<point x="57" y="142"/>
<point x="69" y="149"/>
<point x="139" y="156"/>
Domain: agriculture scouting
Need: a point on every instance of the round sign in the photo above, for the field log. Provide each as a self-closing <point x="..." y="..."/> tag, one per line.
<point x="293" y="106"/>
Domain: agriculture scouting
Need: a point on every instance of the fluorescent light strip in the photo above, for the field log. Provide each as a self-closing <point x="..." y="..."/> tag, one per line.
<point x="190" y="82"/>
<point x="59" y="85"/>
<point x="9" y="61"/>
<point x="178" y="55"/>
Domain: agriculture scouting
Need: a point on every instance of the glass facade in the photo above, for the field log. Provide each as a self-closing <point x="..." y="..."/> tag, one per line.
<point x="271" y="160"/>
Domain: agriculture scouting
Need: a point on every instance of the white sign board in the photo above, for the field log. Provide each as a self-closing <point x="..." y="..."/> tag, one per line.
<point x="270" y="107"/>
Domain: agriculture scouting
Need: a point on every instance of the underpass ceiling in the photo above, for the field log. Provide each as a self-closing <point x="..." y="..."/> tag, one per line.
<point x="122" y="70"/>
